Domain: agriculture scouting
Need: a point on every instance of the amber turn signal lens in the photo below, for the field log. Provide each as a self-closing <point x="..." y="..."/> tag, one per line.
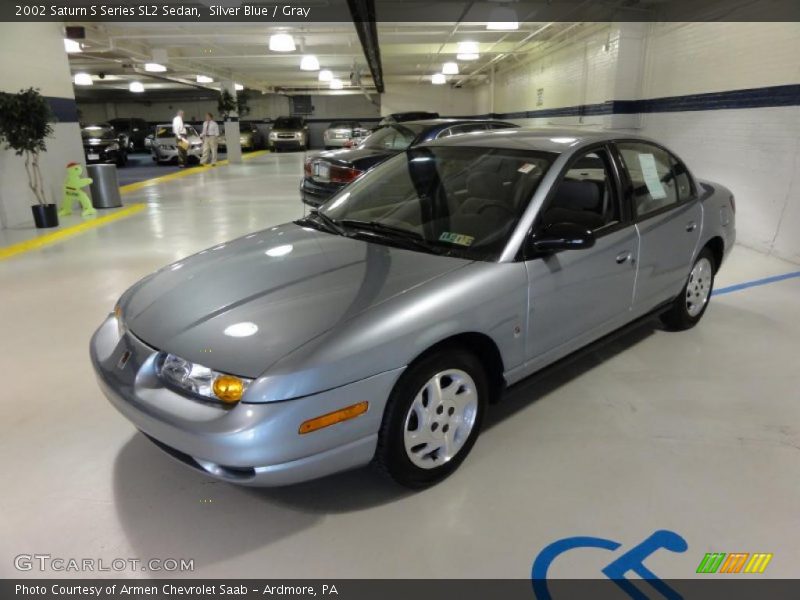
<point x="345" y="414"/>
<point x="228" y="388"/>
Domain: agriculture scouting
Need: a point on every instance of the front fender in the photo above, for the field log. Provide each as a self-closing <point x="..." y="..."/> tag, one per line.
<point x="486" y="298"/>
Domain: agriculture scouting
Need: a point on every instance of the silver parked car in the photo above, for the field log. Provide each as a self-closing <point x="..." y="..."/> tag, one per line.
<point x="380" y="327"/>
<point x="339" y="133"/>
<point x="163" y="145"/>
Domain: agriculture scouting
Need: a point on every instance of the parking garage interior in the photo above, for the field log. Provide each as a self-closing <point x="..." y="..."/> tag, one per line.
<point x="647" y="430"/>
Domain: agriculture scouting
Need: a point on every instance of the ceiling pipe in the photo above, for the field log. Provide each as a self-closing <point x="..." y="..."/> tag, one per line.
<point x="362" y="13"/>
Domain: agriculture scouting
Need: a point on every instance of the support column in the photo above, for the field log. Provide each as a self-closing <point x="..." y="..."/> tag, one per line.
<point x="35" y="57"/>
<point x="233" y="139"/>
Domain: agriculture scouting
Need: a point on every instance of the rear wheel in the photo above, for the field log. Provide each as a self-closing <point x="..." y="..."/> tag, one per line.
<point x="433" y="418"/>
<point x="690" y="305"/>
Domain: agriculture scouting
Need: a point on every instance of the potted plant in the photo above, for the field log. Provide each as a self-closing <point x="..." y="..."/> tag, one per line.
<point x="24" y="124"/>
<point x="226" y="104"/>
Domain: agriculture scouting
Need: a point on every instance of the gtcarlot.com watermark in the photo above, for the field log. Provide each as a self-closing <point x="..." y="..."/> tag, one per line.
<point x="58" y="564"/>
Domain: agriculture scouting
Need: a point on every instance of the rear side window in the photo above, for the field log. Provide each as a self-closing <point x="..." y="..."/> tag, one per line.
<point x="658" y="179"/>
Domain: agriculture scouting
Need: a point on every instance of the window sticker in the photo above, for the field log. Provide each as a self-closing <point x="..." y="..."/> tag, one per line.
<point x="526" y="168"/>
<point x="456" y="238"/>
<point x="651" y="178"/>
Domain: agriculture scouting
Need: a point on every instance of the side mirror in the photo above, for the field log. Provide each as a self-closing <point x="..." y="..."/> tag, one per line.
<point x="561" y="236"/>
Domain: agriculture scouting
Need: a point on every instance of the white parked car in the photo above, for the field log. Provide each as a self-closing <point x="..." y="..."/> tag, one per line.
<point x="163" y="145"/>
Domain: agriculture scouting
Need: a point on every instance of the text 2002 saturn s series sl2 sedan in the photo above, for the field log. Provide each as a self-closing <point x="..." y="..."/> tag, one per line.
<point x="379" y="328"/>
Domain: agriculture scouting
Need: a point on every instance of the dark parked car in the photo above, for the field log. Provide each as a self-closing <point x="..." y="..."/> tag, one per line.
<point x="402" y="117"/>
<point x="103" y="144"/>
<point x="326" y="173"/>
<point x="135" y="129"/>
<point x="289" y="132"/>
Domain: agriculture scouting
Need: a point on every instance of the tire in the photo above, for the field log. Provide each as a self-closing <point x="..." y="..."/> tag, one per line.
<point x="691" y="304"/>
<point x="456" y="420"/>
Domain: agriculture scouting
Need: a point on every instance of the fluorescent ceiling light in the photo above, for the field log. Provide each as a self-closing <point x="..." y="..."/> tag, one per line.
<point x="82" y="79"/>
<point x="154" y="68"/>
<point x="336" y="84"/>
<point x="204" y="79"/>
<point x="468" y="51"/>
<point x="72" y="46"/>
<point x="238" y="87"/>
<point x="281" y="42"/>
<point x="136" y="87"/>
<point x="438" y="79"/>
<point x="450" y="68"/>
<point x="503" y="19"/>
<point x="325" y="75"/>
<point x="309" y="63"/>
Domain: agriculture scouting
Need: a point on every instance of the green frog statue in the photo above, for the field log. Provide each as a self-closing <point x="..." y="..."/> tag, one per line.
<point x="73" y="190"/>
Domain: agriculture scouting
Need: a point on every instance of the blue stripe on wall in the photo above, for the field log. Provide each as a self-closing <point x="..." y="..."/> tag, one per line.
<point x="765" y="97"/>
<point x="64" y="109"/>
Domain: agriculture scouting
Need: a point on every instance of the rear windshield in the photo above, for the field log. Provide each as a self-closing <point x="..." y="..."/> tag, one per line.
<point x="98" y="131"/>
<point x="394" y="137"/>
<point x="288" y="123"/>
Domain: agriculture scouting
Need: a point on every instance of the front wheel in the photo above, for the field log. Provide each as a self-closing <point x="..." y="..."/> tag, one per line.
<point x="690" y="305"/>
<point x="433" y="418"/>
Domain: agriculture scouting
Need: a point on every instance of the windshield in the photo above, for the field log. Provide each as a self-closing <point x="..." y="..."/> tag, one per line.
<point x="98" y="131"/>
<point x="288" y="123"/>
<point x="344" y="125"/>
<point x="393" y="137"/>
<point x="165" y="131"/>
<point x="451" y="200"/>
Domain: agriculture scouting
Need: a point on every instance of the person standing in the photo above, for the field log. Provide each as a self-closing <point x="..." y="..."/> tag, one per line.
<point x="181" y="141"/>
<point x="210" y="137"/>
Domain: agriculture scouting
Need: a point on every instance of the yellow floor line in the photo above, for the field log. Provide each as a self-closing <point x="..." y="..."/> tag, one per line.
<point x="133" y="187"/>
<point x="51" y="238"/>
<point x="56" y="236"/>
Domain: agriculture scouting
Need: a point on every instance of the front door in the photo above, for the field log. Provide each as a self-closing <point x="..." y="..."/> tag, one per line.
<point x="577" y="296"/>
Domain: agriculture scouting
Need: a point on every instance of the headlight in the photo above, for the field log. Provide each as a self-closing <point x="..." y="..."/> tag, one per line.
<point x="273" y="136"/>
<point x="112" y="147"/>
<point x="199" y="380"/>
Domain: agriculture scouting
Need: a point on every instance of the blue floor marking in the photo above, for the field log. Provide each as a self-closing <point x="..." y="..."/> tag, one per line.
<point x="755" y="283"/>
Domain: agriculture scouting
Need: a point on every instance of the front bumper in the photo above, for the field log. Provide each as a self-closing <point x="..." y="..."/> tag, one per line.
<point x="295" y="143"/>
<point x="163" y="155"/>
<point x="248" y="444"/>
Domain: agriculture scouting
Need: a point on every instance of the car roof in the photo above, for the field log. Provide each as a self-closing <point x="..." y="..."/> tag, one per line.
<point x="543" y="139"/>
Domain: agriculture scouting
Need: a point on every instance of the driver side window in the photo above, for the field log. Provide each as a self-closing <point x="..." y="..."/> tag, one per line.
<point x="586" y="195"/>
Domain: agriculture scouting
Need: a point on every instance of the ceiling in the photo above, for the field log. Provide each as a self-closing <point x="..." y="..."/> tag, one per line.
<point x="238" y="51"/>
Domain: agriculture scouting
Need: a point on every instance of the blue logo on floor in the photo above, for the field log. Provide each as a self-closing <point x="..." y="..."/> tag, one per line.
<point x="631" y="561"/>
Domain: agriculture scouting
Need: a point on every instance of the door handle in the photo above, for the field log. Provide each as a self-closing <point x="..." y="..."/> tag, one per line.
<point x="623" y="257"/>
<point x="691" y="226"/>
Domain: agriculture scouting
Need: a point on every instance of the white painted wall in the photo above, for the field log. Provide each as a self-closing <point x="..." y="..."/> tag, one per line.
<point x="446" y="100"/>
<point x="755" y="152"/>
<point x="35" y="57"/>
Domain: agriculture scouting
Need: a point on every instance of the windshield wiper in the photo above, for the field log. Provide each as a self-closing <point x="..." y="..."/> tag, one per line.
<point x="404" y="237"/>
<point x="381" y="228"/>
<point x="319" y="218"/>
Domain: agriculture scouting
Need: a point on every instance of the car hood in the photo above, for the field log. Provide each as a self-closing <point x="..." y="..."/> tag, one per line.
<point x="292" y="283"/>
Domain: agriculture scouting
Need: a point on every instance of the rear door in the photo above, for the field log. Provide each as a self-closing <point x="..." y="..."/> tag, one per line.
<point x="576" y="296"/>
<point x="668" y="217"/>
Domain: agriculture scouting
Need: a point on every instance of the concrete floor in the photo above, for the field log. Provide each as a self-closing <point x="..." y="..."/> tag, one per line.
<point x="695" y="432"/>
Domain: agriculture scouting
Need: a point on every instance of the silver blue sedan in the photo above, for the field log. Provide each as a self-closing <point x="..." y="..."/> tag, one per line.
<point x="379" y="328"/>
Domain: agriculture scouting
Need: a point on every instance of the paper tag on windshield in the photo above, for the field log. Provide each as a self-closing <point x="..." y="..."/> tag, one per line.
<point x="456" y="238"/>
<point x="526" y="168"/>
<point x="651" y="178"/>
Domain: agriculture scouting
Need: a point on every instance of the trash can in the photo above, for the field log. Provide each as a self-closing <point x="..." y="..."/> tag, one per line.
<point x="105" y="187"/>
